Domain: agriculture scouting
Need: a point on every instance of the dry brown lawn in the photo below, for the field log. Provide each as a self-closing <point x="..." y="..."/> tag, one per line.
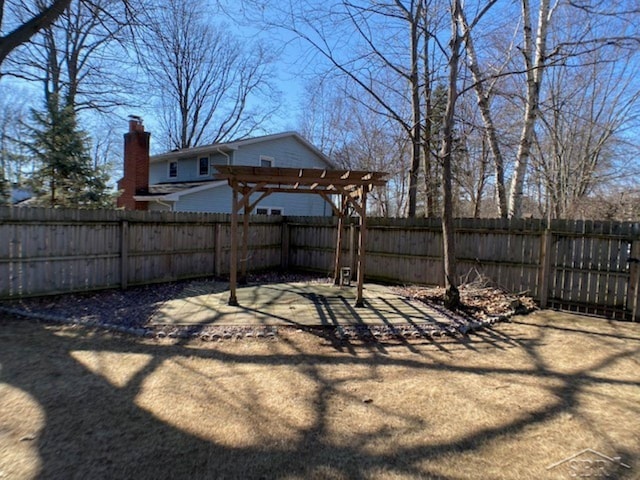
<point x="501" y="404"/>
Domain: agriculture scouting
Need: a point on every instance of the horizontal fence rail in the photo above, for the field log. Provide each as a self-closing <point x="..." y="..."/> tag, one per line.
<point x="585" y="266"/>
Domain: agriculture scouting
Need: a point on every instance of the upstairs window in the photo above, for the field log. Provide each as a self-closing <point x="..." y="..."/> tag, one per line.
<point x="173" y="169"/>
<point x="266" y="161"/>
<point x="203" y="166"/>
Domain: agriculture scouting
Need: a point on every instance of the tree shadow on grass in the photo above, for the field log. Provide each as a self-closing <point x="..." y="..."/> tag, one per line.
<point x="96" y="428"/>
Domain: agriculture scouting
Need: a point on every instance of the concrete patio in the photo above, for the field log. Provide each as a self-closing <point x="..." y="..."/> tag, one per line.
<point x="291" y="304"/>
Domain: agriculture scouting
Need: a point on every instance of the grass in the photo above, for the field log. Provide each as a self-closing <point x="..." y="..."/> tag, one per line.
<point x="501" y="404"/>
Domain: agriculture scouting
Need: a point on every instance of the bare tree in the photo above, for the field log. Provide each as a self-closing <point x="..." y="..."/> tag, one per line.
<point x="452" y="294"/>
<point x="471" y="168"/>
<point x="582" y="118"/>
<point x="78" y="57"/>
<point x="13" y="158"/>
<point x="534" y="51"/>
<point x="205" y="78"/>
<point x="355" y="137"/>
<point x="385" y="58"/>
<point x="21" y="32"/>
<point x="483" y="88"/>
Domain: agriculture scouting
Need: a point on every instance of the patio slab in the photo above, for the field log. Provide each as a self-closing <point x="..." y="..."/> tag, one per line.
<point x="293" y="303"/>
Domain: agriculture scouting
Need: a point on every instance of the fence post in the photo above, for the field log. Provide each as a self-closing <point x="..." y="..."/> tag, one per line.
<point x="633" y="292"/>
<point x="546" y="242"/>
<point x="284" y="244"/>
<point x="124" y="254"/>
<point x="217" y="249"/>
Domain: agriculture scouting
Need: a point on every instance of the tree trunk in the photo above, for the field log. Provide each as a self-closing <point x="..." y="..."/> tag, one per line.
<point x="429" y="170"/>
<point x="487" y="119"/>
<point x="534" y="69"/>
<point x="416" y="118"/>
<point x="452" y="295"/>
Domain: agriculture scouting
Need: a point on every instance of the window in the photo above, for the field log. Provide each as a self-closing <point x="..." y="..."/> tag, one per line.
<point x="203" y="166"/>
<point x="266" y="161"/>
<point x="173" y="169"/>
<point x="269" y="211"/>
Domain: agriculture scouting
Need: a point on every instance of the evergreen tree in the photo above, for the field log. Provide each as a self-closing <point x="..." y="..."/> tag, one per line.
<point x="5" y="189"/>
<point x="66" y="176"/>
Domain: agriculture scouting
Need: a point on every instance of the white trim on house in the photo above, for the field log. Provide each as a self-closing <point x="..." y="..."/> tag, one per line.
<point x="175" y="196"/>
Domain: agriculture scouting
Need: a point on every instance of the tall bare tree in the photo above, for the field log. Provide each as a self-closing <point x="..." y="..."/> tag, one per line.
<point x="452" y="294"/>
<point x="385" y="58"/>
<point x="582" y="120"/>
<point x="534" y="51"/>
<point x="355" y="137"/>
<point x="205" y="77"/>
<point x="483" y="88"/>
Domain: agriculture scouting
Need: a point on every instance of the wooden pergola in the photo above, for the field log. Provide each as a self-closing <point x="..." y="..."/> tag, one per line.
<point x="352" y="186"/>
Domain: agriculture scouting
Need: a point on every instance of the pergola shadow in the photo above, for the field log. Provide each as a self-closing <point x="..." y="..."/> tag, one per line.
<point x="304" y="304"/>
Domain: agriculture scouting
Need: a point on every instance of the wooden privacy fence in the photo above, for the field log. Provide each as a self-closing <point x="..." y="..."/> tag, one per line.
<point x="584" y="266"/>
<point x="45" y="251"/>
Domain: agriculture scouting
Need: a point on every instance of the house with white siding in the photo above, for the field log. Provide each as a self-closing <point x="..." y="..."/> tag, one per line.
<point x="184" y="180"/>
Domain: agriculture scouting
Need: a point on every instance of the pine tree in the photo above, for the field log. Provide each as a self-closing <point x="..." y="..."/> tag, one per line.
<point x="66" y="176"/>
<point x="5" y="188"/>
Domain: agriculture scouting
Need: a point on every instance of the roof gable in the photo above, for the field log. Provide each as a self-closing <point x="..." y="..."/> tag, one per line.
<point x="237" y="144"/>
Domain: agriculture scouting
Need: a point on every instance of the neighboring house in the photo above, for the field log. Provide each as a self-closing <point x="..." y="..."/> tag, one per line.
<point x="183" y="180"/>
<point x="20" y="195"/>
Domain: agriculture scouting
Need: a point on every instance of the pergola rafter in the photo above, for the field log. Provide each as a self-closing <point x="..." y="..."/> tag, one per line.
<point x="352" y="186"/>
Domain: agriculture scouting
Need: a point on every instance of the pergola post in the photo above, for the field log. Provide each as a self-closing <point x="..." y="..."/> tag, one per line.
<point x="338" y="258"/>
<point x="362" y="238"/>
<point x="245" y="241"/>
<point x="233" y="270"/>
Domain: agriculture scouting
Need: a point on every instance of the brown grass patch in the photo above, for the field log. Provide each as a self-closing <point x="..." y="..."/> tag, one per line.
<point x="501" y="404"/>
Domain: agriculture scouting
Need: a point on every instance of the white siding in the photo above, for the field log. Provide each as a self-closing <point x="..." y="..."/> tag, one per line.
<point x="286" y="152"/>
<point x="159" y="207"/>
<point x="218" y="200"/>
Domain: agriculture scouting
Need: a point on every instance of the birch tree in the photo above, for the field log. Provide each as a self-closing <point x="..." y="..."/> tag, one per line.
<point x="534" y="52"/>
<point x="483" y="88"/>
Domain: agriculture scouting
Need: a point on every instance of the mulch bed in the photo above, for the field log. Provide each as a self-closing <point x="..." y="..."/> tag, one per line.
<point x="129" y="312"/>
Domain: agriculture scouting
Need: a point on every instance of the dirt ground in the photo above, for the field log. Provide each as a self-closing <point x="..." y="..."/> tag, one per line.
<point x="508" y="402"/>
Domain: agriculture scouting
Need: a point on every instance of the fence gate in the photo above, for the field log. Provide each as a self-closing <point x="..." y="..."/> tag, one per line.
<point x="594" y="268"/>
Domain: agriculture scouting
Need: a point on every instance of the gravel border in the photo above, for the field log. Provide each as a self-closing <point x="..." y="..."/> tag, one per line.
<point x="129" y="312"/>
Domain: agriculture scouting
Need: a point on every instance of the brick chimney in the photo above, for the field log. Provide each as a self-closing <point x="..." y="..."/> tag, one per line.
<point x="135" y="180"/>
